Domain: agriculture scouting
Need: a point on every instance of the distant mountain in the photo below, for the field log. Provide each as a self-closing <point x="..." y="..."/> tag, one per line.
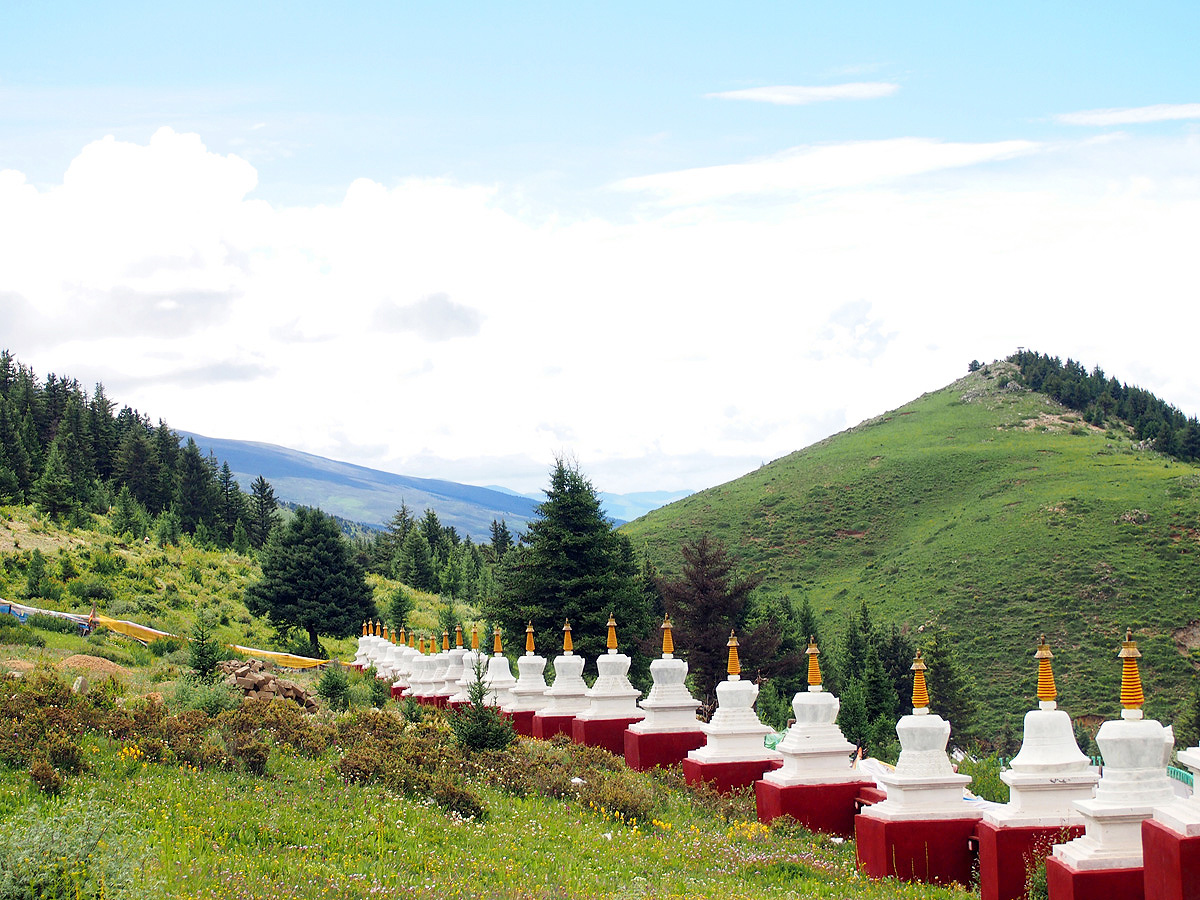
<point x="367" y="495"/>
<point x="621" y="508"/>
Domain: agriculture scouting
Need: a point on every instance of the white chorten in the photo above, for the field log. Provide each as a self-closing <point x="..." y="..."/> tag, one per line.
<point x="735" y="733"/>
<point x="499" y="677"/>
<point x="670" y="706"/>
<point x="568" y="695"/>
<point x="471" y="661"/>
<point x="529" y="693"/>
<point x="612" y="696"/>
<point x="454" y="670"/>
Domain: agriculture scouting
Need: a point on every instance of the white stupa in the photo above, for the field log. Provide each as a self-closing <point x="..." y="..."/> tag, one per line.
<point x="670" y="706"/>
<point x="814" y="749"/>
<point x="1050" y="772"/>
<point x="454" y="669"/>
<point x="437" y="671"/>
<point x="471" y="659"/>
<point x="924" y="785"/>
<point x="735" y="733"/>
<point x="402" y="670"/>
<point x="568" y="695"/>
<point x="360" y="652"/>
<point x="422" y="666"/>
<point x="499" y="677"/>
<point x="529" y="693"/>
<point x="1136" y="752"/>
<point x="612" y="696"/>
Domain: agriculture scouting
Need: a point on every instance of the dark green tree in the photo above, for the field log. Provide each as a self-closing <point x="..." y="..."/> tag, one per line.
<point x="197" y="488"/>
<point x="573" y="566"/>
<point x="53" y="491"/>
<point x="128" y="516"/>
<point x="951" y="689"/>
<point x="311" y="581"/>
<point x="263" y="514"/>
<point x="416" y="568"/>
<point x="502" y="540"/>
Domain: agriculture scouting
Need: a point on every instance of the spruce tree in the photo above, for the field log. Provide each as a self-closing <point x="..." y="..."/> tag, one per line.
<point x="951" y="689"/>
<point x="263" y="513"/>
<point x="53" y="491"/>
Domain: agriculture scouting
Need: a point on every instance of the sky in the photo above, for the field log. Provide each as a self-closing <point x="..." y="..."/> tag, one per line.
<point x="671" y="242"/>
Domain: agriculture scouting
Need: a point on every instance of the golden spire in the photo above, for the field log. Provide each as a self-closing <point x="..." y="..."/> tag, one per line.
<point x="385" y="632"/>
<point x="529" y="637"/>
<point x="458" y="636"/>
<point x="1046" y="691"/>
<point x="364" y="627"/>
<point x="497" y="645"/>
<point x="814" y="668"/>
<point x="403" y="639"/>
<point x="733" y="667"/>
<point x="475" y="638"/>
<point x="445" y="640"/>
<point x="1131" y="678"/>
<point x="421" y="645"/>
<point x="412" y="639"/>
<point x="568" y="647"/>
<point x="377" y="628"/>
<point x="668" y="641"/>
<point x="612" y="634"/>
<point x="920" y="695"/>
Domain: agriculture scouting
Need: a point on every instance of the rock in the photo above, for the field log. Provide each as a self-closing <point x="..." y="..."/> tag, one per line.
<point x="80" y="685"/>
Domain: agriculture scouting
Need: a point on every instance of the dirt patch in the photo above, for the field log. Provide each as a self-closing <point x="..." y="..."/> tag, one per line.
<point x="16" y="665"/>
<point x="95" y="666"/>
<point x="1187" y="637"/>
<point x="16" y="536"/>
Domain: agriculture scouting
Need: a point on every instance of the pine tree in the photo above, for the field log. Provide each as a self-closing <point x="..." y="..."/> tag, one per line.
<point x="501" y="539"/>
<point x="53" y="491"/>
<point x="263" y="512"/>
<point x="197" y="490"/>
<point x="310" y="580"/>
<point x="416" y="563"/>
<point x="137" y="467"/>
<point x="573" y="566"/>
<point x="128" y="516"/>
<point x="951" y="689"/>
<point x="241" y="539"/>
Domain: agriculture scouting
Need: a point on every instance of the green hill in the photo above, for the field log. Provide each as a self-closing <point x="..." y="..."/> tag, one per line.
<point x="989" y="511"/>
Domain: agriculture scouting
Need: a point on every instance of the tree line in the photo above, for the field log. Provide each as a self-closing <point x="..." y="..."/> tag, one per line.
<point x="1102" y="398"/>
<point x="71" y="453"/>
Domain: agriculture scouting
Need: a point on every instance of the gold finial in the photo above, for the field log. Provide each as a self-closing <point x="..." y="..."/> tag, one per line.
<point x="668" y="641"/>
<point x="364" y="627"/>
<point x="1131" y="678"/>
<point x="814" y="668"/>
<point x="1046" y="691"/>
<point x="568" y="647"/>
<point x="412" y="639"/>
<point x="497" y="645"/>
<point x="475" y="638"/>
<point x="445" y="640"/>
<point x="377" y="631"/>
<point x="612" y="634"/>
<point x="920" y="694"/>
<point x="529" y="637"/>
<point x="385" y="632"/>
<point x="403" y="639"/>
<point x="421" y="645"/>
<point x="734" y="666"/>
<point x="458" y="636"/>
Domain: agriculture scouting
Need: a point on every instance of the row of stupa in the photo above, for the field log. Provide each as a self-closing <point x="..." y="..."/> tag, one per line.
<point x="1123" y="834"/>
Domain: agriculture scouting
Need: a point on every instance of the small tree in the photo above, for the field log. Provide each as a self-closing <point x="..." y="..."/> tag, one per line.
<point x="478" y="726"/>
<point x="203" y="650"/>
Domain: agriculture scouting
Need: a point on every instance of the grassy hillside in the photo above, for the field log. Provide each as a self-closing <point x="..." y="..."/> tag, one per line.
<point x="991" y="512"/>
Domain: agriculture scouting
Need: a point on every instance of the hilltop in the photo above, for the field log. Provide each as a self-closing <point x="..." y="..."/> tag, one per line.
<point x="989" y="511"/>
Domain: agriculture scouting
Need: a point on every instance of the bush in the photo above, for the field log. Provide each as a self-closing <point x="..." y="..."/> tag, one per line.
<point x="478" y="726"/>
<point x="164" y="645"/>
<point x="334" y="687"/>
<point x="985" y="776"/>
<point x="206" y="696"/>
<point x="203" y="648"/>
<point x="48" y="781"/>
<point x="57" y="624"/>
<point x="14" y="632"/>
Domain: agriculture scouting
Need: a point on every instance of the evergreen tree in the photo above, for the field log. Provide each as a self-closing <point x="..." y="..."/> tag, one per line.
<point x="400" y="608"/>
<point x="808" y="622"/>
<point x="880" y="694"/>
<point x="951" y="689"/>
<point x="852" y="718"/>
<point x="574" y="566"/>
<point x="241" y="539"/>
<point x="103" y="430"/>
<point x="416" y="563"/>
<point x="167" y="530"/>
<point x="231" y="504"/>
<point x="502" y="540"/>
<point x="137" y="467"/>
<point x="128" y="516"/>
<point x="263" y="512"/>
<point x="53" y="491"/>
<point x="311" y="581"/>
<point x="197" y="493"/>
<point x="705" y="603"/>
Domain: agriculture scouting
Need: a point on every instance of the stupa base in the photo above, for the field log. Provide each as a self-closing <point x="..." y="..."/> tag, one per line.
<point x="934" y="851"/>
<point x="827" y="808"/>
<point x="1171" y="861"/>
<point x="1006" y="855"/>
<point x="522" y="720"/>
<point x="606" y="733"/>
<point x="456" y="705"/>
<point x="724" y="777"/>
<point x="1065" y="882"/>
<point x="397" y="691"/>
<point x="546" y="727"/>
<point x="645" y="750"/>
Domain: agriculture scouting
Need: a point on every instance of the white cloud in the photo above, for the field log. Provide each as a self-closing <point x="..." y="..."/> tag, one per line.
<point x="435" y="318"/>
<point x="617" y="342"/>
<point x="802" y="95"/>
<point x="1135" y="115"/>
<point x="809" y="169"/>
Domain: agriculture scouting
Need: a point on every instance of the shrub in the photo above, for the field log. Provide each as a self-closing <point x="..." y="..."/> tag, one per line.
<point x="164" y="645"/>
<point x="203" y="646"/>
<point x="16" y="633"/>
<point x="48" y="781"/>
<point x="208" y="697"/>
<point x="452" y="795"/>
<point x="56" y="624"/>
<point x="478" y="726"/>
<point x="334" y="687"/>
<point x="985" y="776"/>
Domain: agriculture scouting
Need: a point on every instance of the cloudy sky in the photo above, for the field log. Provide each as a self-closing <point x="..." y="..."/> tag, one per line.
<point x="672" y="241"/>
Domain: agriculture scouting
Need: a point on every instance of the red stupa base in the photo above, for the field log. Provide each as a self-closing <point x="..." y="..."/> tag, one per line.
<point x="728" y="776"/>
<point x="828" y="808"/>
<point x="456" y="705"/>
<point x="1171" y="861"/>
<point x="396" y="691"/>
<point x="522" y="720"/>
<point x="644" y="751"/>
<point x="935" y="851"/>
<point x="546" y="727"/>
<point x="1068" y="883"/>
<point x="438" y="702"/>
<point x="1007" y="854"/>
<point x="606" y="733"/>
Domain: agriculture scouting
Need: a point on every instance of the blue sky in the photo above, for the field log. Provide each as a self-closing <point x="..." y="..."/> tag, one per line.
<point x="634" y="233"/>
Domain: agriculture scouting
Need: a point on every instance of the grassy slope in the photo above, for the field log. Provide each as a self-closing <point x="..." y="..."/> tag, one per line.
<point x="994" y="514"/>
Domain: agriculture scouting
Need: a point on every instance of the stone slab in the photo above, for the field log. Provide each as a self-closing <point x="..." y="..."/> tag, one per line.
<point x="827" y="808"/>
<point x="1006" y="856"/>
<point x="727" y="776"/>
<point x="1171" y="863"/>
<point x="645" y="750"/>
<point x="546" y="727"/>
<point x="1068" y="883"/>
<point x="934" y="851"/>
<point x="606" y="733"/>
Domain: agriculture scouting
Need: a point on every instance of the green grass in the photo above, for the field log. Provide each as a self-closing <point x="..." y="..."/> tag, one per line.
<point x="957" y="511"/>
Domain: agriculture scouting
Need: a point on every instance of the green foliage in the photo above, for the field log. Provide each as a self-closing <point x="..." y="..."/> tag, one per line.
<point x="203" y="650"/>
<point x="52" y="623"/>
<point x="478" y="726"/>
<point x="985" y="776"/>
<point x="205" y="695"/>
<point x="400" y="607"/>
<point x="164" y="645"/>
<point x="311" y="580"/>
<point x="19" y="634"/>
<point x="334" y="687"/>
